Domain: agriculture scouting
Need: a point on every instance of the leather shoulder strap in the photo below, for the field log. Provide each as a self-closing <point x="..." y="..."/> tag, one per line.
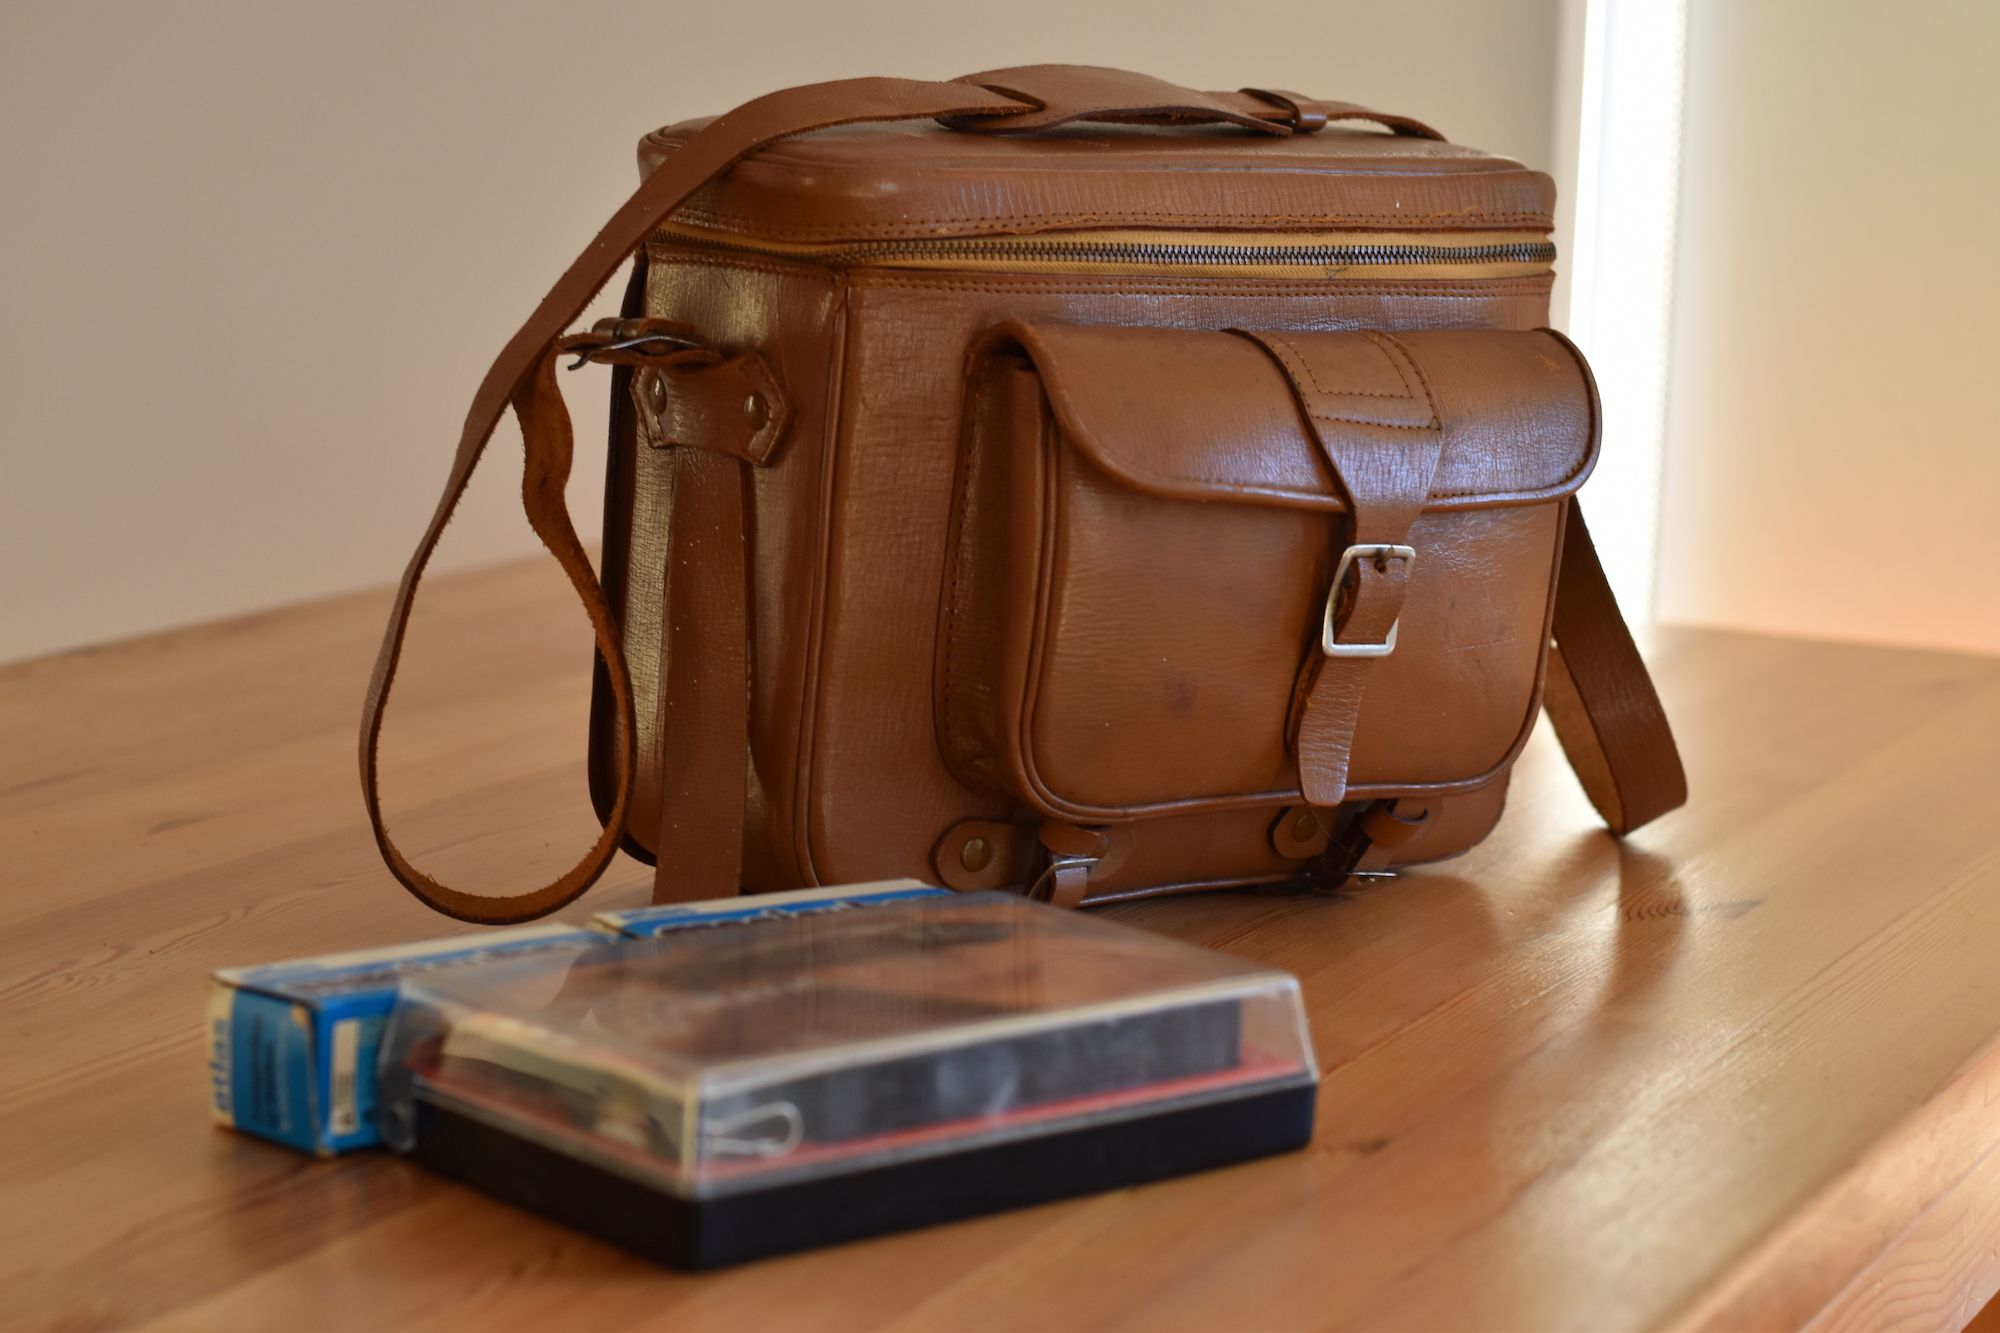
<point x="1601" y="699"/>
<point x="523" y="377"/>
<point x="1599" y="695"/>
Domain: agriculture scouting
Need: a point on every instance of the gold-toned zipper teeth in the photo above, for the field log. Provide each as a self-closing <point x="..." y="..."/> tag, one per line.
<point x="1312" y="255"/>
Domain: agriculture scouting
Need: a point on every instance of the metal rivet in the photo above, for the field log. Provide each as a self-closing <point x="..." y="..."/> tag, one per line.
<point x="1305" y="828"/>
<point x="976" y="855"/>
<point x="755" y="412"/>
<point x="656" y="393"/>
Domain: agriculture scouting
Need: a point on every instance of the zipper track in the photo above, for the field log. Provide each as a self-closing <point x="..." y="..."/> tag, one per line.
<point x="1091" y="252"/>
<point x="1024" y="250"/>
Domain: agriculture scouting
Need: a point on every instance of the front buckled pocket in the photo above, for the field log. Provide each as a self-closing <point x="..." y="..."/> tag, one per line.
<point x="1169" y="546"/>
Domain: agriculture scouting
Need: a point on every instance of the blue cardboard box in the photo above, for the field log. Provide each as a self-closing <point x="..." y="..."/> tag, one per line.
<point x="293" y="1046"/>
<point x="669" y="917"/>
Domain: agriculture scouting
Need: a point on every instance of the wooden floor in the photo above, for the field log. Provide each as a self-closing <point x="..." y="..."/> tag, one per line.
<point x="1738" y="1072"/>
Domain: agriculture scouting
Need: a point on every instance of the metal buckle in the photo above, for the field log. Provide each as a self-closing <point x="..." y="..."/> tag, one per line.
<point x="671" y="343"/>
<point x="1380" y="555"/>
<point x="1044" y="887"/>
<point x="622" y="335"/>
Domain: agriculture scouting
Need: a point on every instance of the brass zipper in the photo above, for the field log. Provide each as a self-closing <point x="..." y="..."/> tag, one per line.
<point x="1157" y="253"/>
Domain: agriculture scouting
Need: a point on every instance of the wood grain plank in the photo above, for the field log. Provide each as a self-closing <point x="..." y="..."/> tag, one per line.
<point x="1733" y="1072"/>
<point x="1939" y="1273"/>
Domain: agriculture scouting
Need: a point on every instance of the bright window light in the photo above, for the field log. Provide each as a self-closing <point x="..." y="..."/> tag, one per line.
<point x="1620" y="267"/>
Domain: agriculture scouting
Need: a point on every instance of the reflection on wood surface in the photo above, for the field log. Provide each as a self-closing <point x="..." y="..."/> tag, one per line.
<point x="1733" y="1073"/>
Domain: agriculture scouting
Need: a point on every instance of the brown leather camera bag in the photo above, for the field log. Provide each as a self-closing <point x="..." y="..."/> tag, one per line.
<point x="1064" y="480"/>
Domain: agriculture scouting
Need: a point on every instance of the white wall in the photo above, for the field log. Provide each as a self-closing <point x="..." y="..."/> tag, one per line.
<point x="1833" y="458"/>
<point x="254" y="257"/>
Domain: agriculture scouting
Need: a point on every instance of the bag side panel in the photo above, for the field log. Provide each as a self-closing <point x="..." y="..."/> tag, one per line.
<point x="878" y="792"/>
<point x="997" y="543"/>
<point x="791" y="313"/>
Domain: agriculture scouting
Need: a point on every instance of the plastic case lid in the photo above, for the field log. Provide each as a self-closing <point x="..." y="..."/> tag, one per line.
<point x="751" y="1054"/>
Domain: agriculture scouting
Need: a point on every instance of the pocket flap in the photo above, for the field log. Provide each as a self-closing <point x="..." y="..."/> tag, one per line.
<point x="1210" y="416"/>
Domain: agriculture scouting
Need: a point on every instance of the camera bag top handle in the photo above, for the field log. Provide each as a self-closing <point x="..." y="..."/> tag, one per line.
<point x="1607" y="715"/>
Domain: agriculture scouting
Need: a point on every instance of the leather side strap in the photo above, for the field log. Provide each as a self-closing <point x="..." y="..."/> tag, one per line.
<point x="704" y="723"/>
<point x="1601" y="699"/>
<point x="523" y="377"/>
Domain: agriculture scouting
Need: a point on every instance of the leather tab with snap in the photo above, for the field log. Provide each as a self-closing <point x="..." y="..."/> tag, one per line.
<point x="734" y="407"/>
<point x="977" y="854"/>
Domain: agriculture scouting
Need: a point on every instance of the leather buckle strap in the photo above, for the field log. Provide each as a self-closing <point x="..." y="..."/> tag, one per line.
<point x="1370" y="838"/>
<point x="1065" y="93"/>
<point x="1307" y="116"/>
<point x="1062" y="94"/>
<point x="1379" y="555"/>
<point x="1370" y="408"/>
<point x="1065" y="882"/>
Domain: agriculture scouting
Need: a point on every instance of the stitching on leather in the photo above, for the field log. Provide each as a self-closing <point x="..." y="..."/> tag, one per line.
<point x="1178" y="287"/>
<point x="1396" y="354"/>
<point x="783" y="152"/>
<point x="1471" y="220"/>
<point x="1294" y="362"/>
<point x="774" y="267"/>
<point x="1519" y="499"/>
<point x="958" y="562"/>
<point x="1069" y="283"/>
<point x="786" y="151"/>
<point x="1481" y="289"/>
<point x="1406" y="364"/>
<point x="1487" y="288"/>
<point x="1379" y="425"/>
<point x="1497" y="499"/>
<point x="1311" y="374"/>
<point x="687" y="256"/>
<point x="806" y="760"/>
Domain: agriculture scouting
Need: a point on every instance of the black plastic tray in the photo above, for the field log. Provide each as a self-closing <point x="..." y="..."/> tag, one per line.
<point x="706" y="1233"/>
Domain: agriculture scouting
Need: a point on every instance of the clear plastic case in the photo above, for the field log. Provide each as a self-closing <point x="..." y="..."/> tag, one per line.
<point x="752" y="1055"/>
